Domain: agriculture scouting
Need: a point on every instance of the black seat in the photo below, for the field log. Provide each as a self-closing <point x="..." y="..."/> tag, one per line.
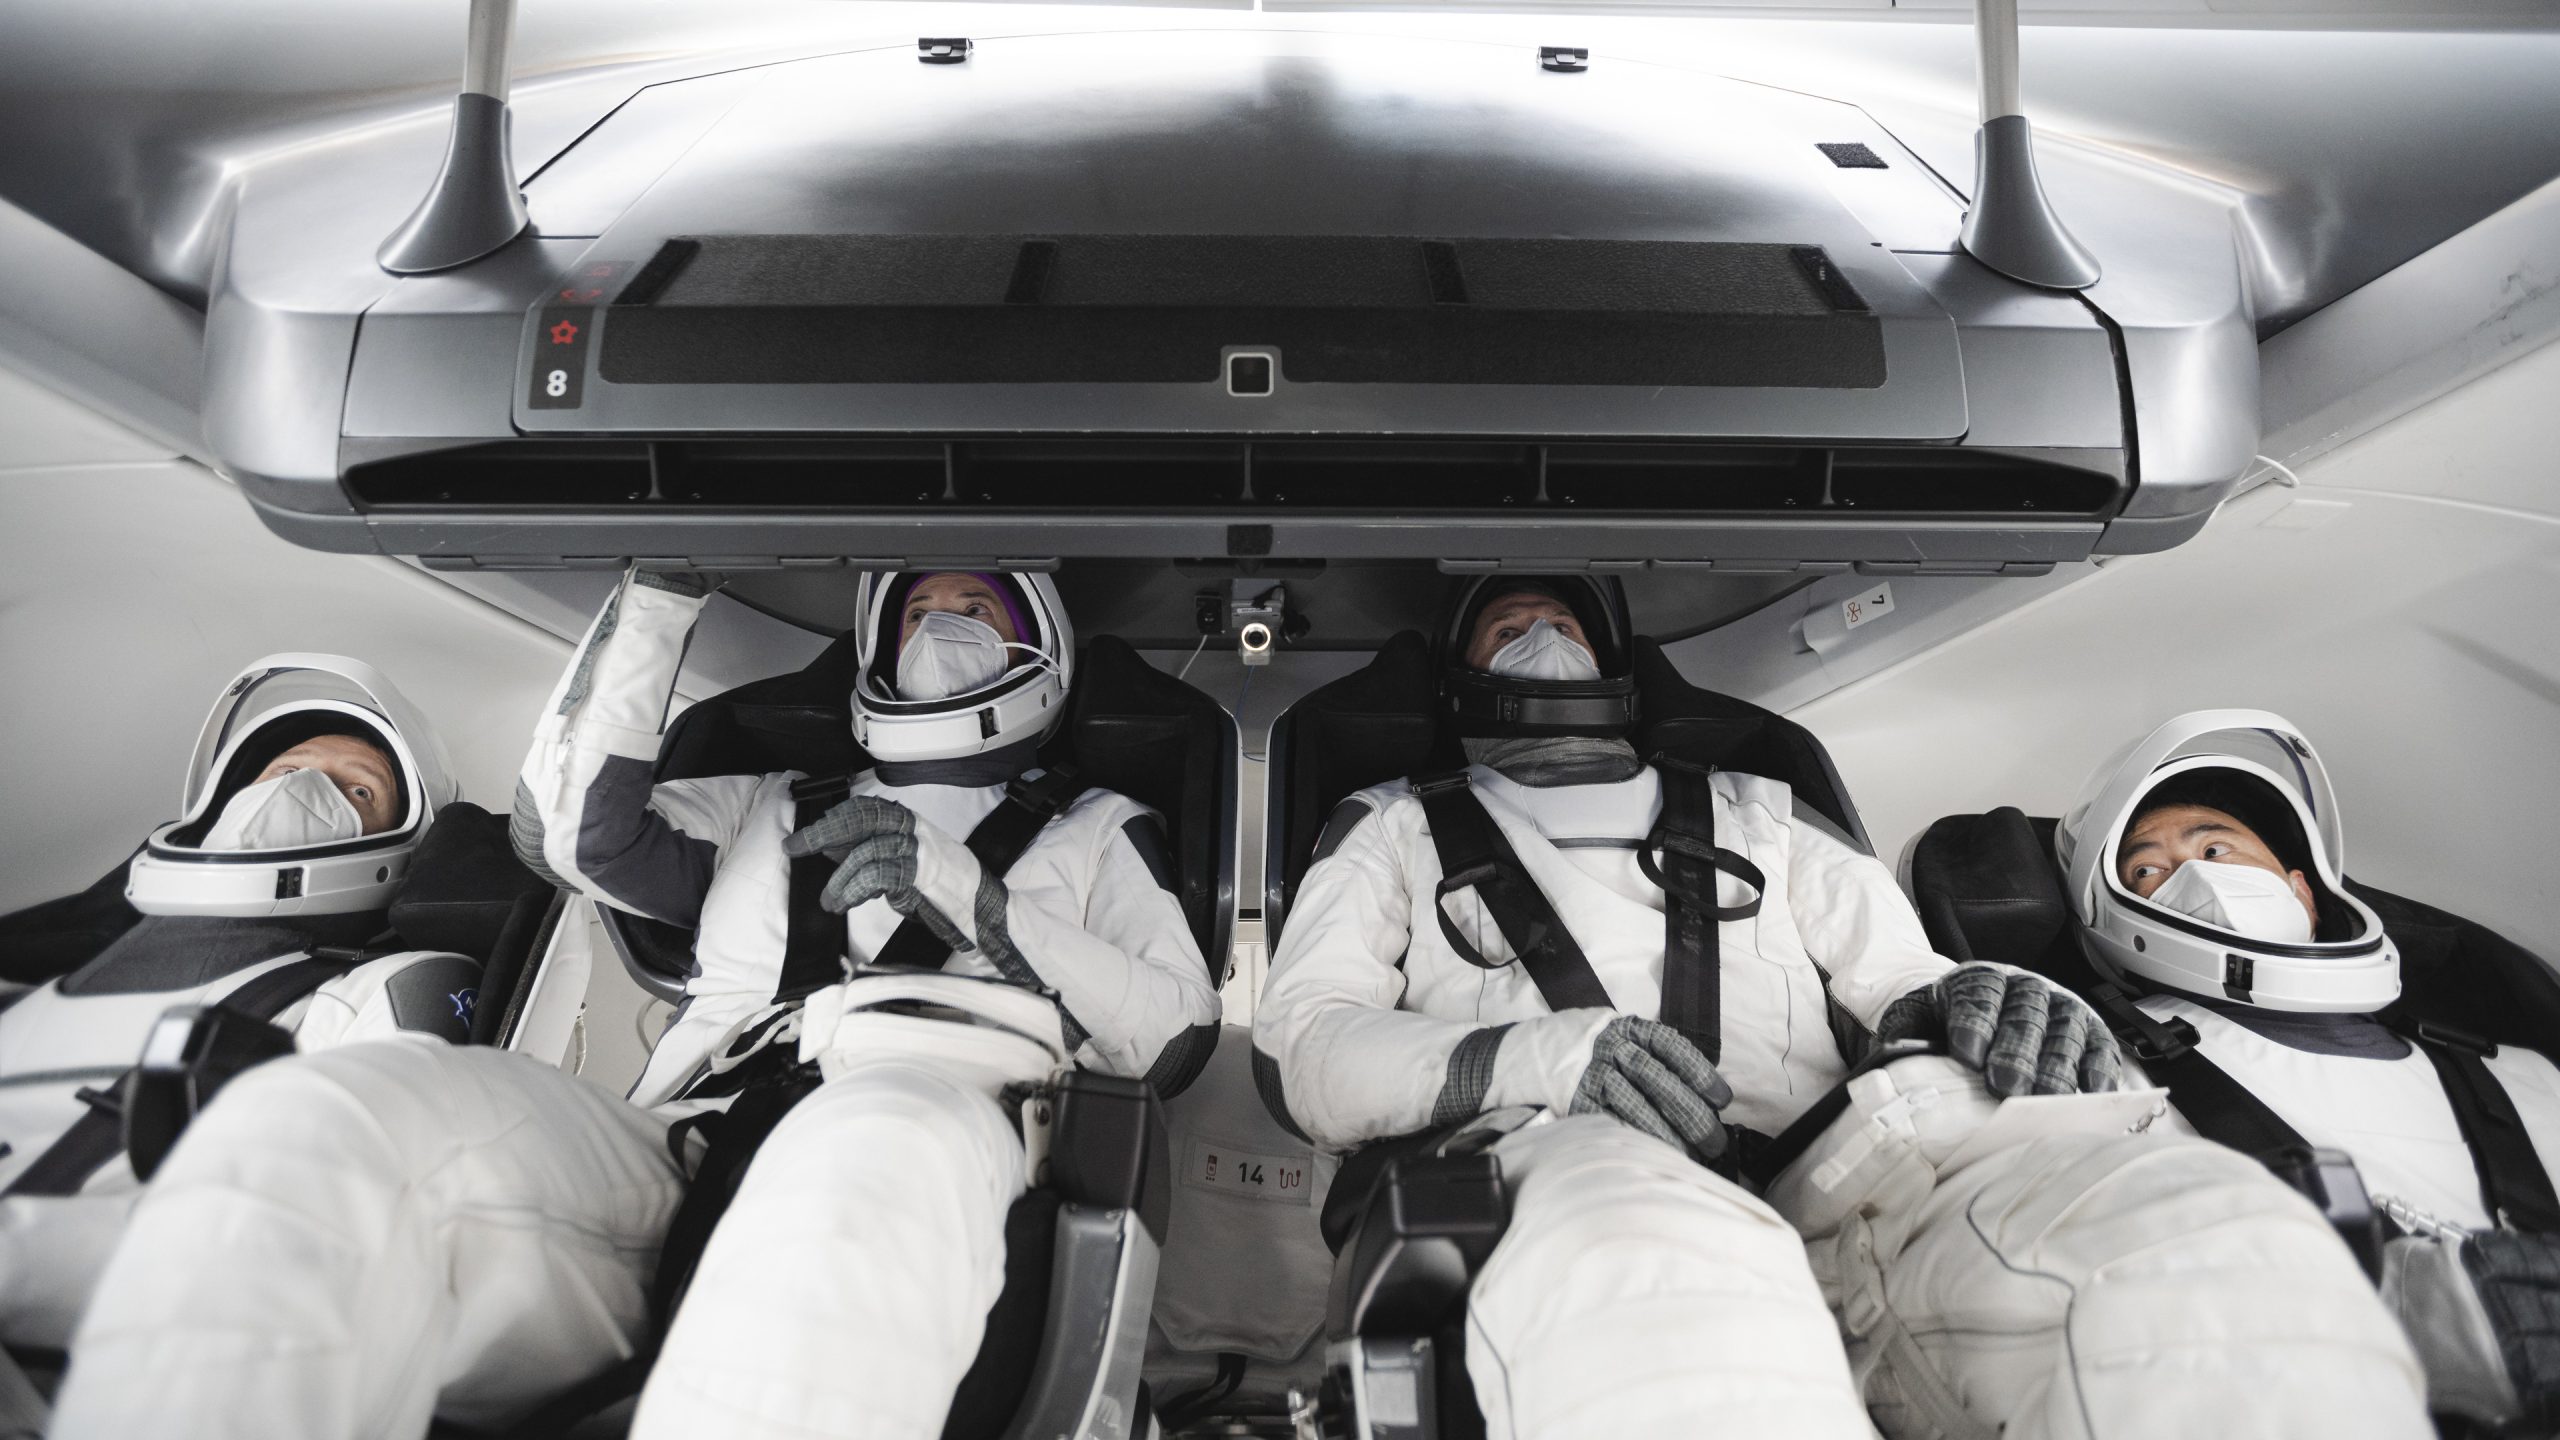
<point x="467" y="892"/>
<point x="1410" y="1220"/>
<point x="1080" y="1249"/>
<point x="1381" y="723"/>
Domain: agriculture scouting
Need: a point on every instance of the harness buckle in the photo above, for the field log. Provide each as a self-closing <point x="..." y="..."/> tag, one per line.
<point x="1426" y="786"/>
<point x="2443" y="1034"/>
<point x="2164" y="1042"/>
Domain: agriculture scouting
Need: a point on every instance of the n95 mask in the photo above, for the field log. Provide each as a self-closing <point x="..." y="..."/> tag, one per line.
<point x="2242" y="899"/>
<point x="949" y="655"/>
<point x="1544" y="653"/>
<point x="299" y="807"/>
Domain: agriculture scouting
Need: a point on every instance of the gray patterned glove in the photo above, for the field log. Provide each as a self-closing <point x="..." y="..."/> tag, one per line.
<point x="1649" y="1076"/>
<point x="2518" y="1279"/>
<point x="883" y="852"/>
<point x="2025" y="1034"/>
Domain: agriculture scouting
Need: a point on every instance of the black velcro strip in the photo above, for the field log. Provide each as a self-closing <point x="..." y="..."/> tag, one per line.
<point x="1031" y="272"/>
<point x="1851" y="155"/>
<point x="1826" y="277"/>
<point x="654" y="277"/>
<point x="1440" y="262"/>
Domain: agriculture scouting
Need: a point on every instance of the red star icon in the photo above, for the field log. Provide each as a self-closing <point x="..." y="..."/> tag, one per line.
<point x="563" y="333"/>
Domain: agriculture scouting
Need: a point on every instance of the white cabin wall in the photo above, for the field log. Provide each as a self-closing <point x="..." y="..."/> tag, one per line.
<point x="134" y="583"/>
<point x="2403" y="606"/>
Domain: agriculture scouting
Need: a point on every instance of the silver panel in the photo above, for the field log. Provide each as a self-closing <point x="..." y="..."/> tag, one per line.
<point x="1243" y="133"/>
<point x="2038" y="367"/>
<point x="423" y="353"/>
<point x="2480" y="299"/>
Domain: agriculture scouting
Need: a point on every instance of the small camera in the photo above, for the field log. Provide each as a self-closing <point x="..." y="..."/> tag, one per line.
<point x="1259" y="623"/>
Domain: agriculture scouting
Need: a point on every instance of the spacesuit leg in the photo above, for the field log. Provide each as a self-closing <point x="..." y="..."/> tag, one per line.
<point x="346" y="1242"/>
<point x="2084" y="1284"/>
<point x="846" y="1290"/>
<point x="52" y="1249"/>
<point x="1636" y="1293"/>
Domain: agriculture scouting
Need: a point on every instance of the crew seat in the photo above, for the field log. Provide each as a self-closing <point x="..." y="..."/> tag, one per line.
<point x="1410" y="1220"/>
<point x="1064" y="1340"/>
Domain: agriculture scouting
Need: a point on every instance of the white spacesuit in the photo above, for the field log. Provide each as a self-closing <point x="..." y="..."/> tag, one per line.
<point x="2206" y="866"/>
<point x="260" y="898"/>
<point x="2079" y="1279"/>
<point x="467" y="1233"/>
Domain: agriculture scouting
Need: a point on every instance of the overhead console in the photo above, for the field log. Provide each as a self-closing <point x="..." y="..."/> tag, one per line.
<point x="1231" y="295"/>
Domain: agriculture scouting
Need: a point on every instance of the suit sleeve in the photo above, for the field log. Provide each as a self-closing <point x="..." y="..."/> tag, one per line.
<point x="1856" y="924"/>
<point x="427" y="994"/>
<point x="586" y="815"/>
<point x="1336" y="1059"/>
<point x="1107" y="933"/>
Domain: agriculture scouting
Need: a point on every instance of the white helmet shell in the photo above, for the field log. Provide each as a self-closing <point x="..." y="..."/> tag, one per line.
<point x="1020" y="704"/>
<point x="2356" y="974"/>
<point x="265" y="710"/>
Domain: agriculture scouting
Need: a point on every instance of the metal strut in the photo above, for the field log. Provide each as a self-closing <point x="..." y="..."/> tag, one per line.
<point x="474" y="206"/>
<point x="2012" y="227"/>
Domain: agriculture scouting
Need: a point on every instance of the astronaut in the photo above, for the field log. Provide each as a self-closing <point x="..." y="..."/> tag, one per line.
<point x="2081" y="1279"/>
<point x="2206" y="867"/>
<point x="405" y="1233"/>
<point x="307" y="796"/>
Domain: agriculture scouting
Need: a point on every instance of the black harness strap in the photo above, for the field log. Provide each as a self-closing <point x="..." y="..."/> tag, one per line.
<point x="1474" y="853"/>
<point x="998" y="841"/>
<point x="813" y="939"/>
<point x="98" y="1136"/>
<point x="2513" y="1183"/>
<point x="1685" y="833"/>
<point x="813" y="947"/>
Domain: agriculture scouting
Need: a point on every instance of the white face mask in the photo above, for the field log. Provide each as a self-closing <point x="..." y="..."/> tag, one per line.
<point x="950" y="654"/>
<point x="1544" y="653"/>
<point x="299" y="807"/>
<point x="2242" y="899"/>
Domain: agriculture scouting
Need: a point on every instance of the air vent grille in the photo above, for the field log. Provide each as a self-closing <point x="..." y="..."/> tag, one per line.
<point x="1079" y="475"/>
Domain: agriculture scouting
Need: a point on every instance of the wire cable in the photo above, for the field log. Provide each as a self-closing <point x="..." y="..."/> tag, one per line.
<point x="1195" y="656"/>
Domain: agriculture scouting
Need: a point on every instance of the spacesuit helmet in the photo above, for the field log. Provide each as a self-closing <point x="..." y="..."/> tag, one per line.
<point x="2232" y="931"/>
<point x="959" y="688"/>
<point x="227" y="855"/>
<point x="1545" y="700"/>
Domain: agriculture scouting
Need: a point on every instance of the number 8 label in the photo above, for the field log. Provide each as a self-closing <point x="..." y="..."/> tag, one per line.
<point x="557" y="384"/>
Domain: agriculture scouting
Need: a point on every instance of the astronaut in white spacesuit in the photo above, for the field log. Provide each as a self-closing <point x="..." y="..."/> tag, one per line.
<point x="2206" y="865"/>
<point x="2077" y="1279"/>
<point x="308" y="794"/>
<point x="404" y="1232"/>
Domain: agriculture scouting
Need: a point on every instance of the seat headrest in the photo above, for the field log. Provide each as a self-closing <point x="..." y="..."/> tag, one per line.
<point x="463" y="883"/>
<point x="1708" y="728"/>
<point x="1986" y="890"/>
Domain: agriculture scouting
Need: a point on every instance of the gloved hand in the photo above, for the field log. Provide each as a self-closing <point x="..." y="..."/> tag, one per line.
<point x="1649" y="1076"/>
<point x="882" y="851"/>
<point x="2518" y="1278"/>
<point x="691" y="583"/>
<point x="2025" y="1034"/>
<point x="2483" y="1312"/>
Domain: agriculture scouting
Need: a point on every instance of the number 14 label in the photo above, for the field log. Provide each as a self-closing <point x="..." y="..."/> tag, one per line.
<point x="1280" y="1179"/>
